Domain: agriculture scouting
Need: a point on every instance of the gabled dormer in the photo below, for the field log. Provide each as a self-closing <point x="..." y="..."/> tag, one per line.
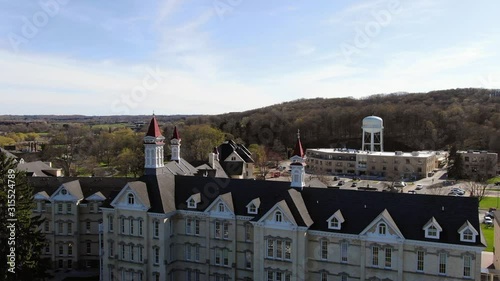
<point x="193" y="200"/>
<point x="134" y="196"/>
<point x="68" y="192"/>
<point x="253" y="206"/>
<point x="383" y="227"/>
<point x="279" y="216"/>
<point x="432" y="229"/>
<point x="222" y="206"/>
<point x="468" y="233"/>
<point x="335" y="221"/>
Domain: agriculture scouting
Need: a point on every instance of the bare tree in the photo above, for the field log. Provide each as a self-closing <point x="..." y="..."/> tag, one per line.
<point x="476" y="189"/>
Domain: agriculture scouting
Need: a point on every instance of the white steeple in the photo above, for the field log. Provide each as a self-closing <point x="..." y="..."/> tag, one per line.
<point x="153" y="146"/>
<point x="297" y="167"/>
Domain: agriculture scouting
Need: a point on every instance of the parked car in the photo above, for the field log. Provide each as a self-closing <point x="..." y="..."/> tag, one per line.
<point x="419" y="187"/>
<point x="340" y="183"/>
<point x="488" y="220"/>
<point x="457" y="190"/>
<point x="354" y="184"/>
<point x="400" y="184"/>
<point x="490" y="214"/>
<point x="412" y="191"/>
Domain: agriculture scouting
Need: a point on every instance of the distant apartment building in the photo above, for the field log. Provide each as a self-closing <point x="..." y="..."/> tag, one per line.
<point x="414" y="165"/>
<point x="479" y="164"/>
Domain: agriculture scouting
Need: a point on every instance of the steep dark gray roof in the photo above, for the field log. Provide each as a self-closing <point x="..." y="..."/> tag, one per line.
<point x="313" y="206"/>
<point x="36" y="168"/>
<point x="230" y="146"/>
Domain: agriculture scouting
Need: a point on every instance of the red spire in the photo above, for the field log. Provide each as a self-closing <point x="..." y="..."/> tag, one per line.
<point x="299" y="151"/>
<point x="154" y="129"/>
<point x="176" y="135"/>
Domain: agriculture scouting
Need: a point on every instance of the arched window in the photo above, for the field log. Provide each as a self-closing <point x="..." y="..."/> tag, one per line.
<point x="131" y="199"/>
<point x="278" y="216"/>
<point x="221" y="207"/>
<point x="382" y="228"/>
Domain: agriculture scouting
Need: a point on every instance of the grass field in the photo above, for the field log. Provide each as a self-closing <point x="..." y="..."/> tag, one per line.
<point x="493" y="180"/>
<point x="488" y="236"/>
<point x="489" y="202"/>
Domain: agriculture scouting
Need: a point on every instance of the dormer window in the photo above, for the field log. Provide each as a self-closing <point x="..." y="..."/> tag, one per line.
<point x="193" y="200"/>
<point x="252" y="209"/>
<point x="278" y="216"/>
<point x="221" y="207"/>
<point x="432" y="229"/>
<point x="467" y="232"/>
<point x="64" y="192"/>
<point x="191" y="203"/>
<point x="253" y="206"/>
<point x="382" y="228"/>
<point x="131" y="199"/>
<point x="335" y="221"/>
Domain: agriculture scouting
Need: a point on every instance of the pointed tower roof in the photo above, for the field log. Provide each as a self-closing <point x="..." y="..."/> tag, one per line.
<point x="298" y="151"/>
<point x="154" y="129"/>
<point x="176" y="134"/>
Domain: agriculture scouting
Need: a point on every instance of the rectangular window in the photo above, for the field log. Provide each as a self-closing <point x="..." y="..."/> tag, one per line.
<point x="70" y="228"/>
<point x="467" y="266"/>
<point x="197" y="252"/>
<point x="218" y="254"/>
<point x="226" y="230"/>
<point x="87" y="226"/>
<point x="111" y="250"/>
<point x="59" y="208"/>
<point x="132" y="252"/>
<point x="188" y="251"/>
<point x="156" y="228"/>
<point x="122" y="222"/>
<point x="248" y="260"/>
<point x="218" y="229"/>
<point x="225" y="256"/>
<point x="279" y="249"/>
<point x="196" y="227"/>
<point x="344" y="277"/>
<point x="324" y="276"/>
<point x="140" y="227"/>
<point x="288" y="250"/>
<point x="324" y="249"/>
<point x="270" y="275"/>
<point x="157" y="255"/>
<point x="375" y="256"/>
<point x="188" y="226"/>
<point x="420" y="260"/>
<point x="343" y="252"/>
<point x="110" y="224"/>
<point x="89" y="248"/>
<point x="442" y="263"/>
<point x="70" y="263"/>
<point x="270" y="248"/>
<point x="248" y="232"/>
<point x="123" y="251"/>
<point x="68" y="208"/>
<point x="139" y="249"/>
<point x="388" y="257"/>
<point x="70" y="249"/>
<point x="60" y="227"/>
<point x="131" y="227"/>
<point x="61" y="250"/>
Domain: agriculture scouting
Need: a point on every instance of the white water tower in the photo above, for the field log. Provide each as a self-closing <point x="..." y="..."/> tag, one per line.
<point x="373" y="137"/>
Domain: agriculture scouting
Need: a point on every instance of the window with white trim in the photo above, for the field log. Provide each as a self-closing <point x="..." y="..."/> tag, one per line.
<point x="442" y="263"/>
<point x="141" y="222"/>
<point x="382" y="228"/>
<point x="192" y="226"/>
<point x="221" y="208"/>
<point x="324" y="276"/>
<point x="252" y="209"/>
<point x="420" y="260"/>
<point x="278" y="216"/>
<point x="468" y="235"/>
<point x="467" y="266"/>
<point x="278" y="249"/>
<point x="221" y="256"/>
<point x="156" y="228"/>
<point x="156" y="252"/>
<point x="432" y="231"/>
<point x="324" y="249"/>
<point x="334" y="223"/>
<point x="343" y="251"/>
<point x="131" y="226"/>
<point x="388" y="257"/>
<point x="110" y="223"/>
<point x="191" y="203"/>
<point x="131" y="199"/>
<point x="375" y="251"/>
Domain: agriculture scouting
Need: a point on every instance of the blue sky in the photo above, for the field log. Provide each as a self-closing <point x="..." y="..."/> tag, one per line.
<point x="215" y="56"/>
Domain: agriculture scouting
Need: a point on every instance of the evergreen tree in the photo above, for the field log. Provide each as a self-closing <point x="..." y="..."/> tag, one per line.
<point x="21" y="240"/>
<point x="454" y="164"/>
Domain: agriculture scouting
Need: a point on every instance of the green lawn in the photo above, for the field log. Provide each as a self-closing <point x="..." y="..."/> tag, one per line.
<point x="489" y="202"/>
<point x="493" y="180"/>
<point x="488" y="236"/>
